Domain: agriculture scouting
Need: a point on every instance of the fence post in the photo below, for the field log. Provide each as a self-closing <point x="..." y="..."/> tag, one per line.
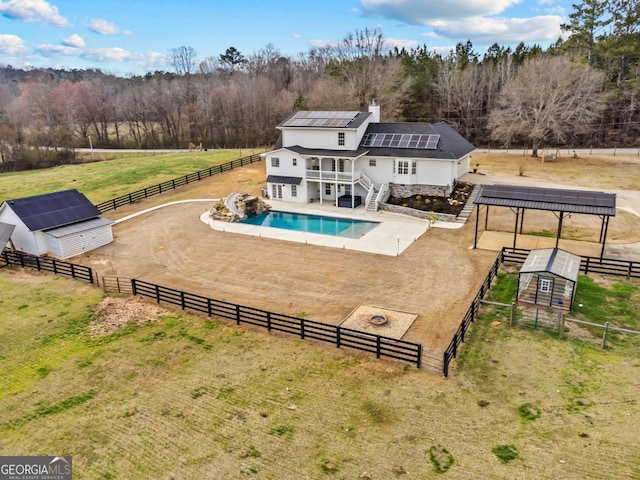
<point x="302" y="333"/>
<point x="561" y="325"/>
<point x="378" y="346"/>
<point x="338" y="336"/>
<point x="237" y="314"/>
<point x="182" y="300"/>
<point x="268" y="321"/>
<point x="208" y="306"/>
<point x="157" y="293"/>
<point x="134" y="290"/>
<point x="586" y="267"/>
<point x="445" y="363"/>
<point x="604" y="335"/>
<point x="419" y="359"/>
<point x="73" y="270"/>
<point x="512" y="317"/>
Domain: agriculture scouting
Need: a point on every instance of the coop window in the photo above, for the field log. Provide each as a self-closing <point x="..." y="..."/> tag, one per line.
<point x="545" y="285"/>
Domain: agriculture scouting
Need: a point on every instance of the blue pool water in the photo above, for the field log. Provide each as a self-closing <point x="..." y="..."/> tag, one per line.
<point x="302" y="222"/>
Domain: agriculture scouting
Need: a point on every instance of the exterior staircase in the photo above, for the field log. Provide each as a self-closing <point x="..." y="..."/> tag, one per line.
<point x="372" y="205"/>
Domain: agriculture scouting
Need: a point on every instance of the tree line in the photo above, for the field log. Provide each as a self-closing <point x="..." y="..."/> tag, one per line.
<point x="583" y="90"/>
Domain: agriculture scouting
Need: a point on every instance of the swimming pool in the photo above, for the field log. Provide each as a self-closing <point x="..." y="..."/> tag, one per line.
<point x="302" y="222"/>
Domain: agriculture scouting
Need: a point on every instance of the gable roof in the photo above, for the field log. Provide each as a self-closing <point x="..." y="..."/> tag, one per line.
<point x="56" y="209"/>
<point x="451" y="145"/>
<point x="323" y="119"/>
<point x="552" y="260"/>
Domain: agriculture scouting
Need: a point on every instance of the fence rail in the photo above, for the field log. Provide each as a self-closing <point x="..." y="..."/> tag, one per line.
<point x="306" y="329"/>
<point x="138" y="195"/>
<point x="46" y="264"/>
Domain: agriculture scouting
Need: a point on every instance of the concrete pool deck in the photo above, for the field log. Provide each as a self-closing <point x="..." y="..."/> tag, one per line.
<point x="391" y="237"/>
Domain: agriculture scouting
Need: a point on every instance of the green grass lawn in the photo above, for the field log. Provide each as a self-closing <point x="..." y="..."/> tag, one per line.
<point x="186" y="397"/>
<point x="107" y="179"/>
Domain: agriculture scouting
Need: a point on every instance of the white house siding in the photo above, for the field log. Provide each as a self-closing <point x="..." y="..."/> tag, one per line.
<point x="321" y="138"/>
<point x="76" y="243"/>
<point x="285" y="160"/>
<point x="464" y="166"/>
<point x="22" y="238"/>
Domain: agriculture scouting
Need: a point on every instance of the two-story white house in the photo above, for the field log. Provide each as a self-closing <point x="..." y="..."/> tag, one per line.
<point x="350" y="158"/>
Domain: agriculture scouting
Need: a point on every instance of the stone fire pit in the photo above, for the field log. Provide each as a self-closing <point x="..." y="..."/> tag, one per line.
<point x="379" y="321"/>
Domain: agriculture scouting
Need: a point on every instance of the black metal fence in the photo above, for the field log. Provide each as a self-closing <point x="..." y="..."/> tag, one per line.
<point x="306" y="329"/>
<point x="46" y="264"/>
<point x="175" y="183"/>
<point x="608" y="266"/>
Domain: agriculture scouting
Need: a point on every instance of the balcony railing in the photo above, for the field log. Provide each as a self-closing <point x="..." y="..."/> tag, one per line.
<point x="329" y="175"/>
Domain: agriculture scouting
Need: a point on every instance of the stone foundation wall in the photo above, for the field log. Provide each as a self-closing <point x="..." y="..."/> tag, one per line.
<point x="402" y="191"/>
<point x="412" y="212"/>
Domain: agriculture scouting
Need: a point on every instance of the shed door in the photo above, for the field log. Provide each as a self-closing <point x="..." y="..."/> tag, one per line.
<point x="545" y="291"/>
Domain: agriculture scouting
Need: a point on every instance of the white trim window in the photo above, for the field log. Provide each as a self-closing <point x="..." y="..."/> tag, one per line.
<point x="294" y="190"/>
<point x="275" y="162"/>
<point x="403" y="167"/>
<point x="372" y="162"/>
<point x="295" y="162"/>
<point x="341" y="139"/>
<point x="327" y="189"/>
<point x="413" y="167"/>
<point x="545" y="285"/>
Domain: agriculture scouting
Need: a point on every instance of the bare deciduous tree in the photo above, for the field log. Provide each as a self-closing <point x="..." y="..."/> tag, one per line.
<point x="548" y="100"/>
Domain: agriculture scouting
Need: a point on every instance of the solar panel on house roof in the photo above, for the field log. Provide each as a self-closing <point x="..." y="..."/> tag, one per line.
<point x="321" y="119"/>
<point x="401" y="140"/>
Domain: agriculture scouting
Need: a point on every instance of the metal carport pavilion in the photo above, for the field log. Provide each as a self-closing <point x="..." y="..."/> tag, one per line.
<point x="559" y="201"/>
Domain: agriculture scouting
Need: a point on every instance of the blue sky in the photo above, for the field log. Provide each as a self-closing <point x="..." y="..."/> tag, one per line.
<point x="134" y="36"/>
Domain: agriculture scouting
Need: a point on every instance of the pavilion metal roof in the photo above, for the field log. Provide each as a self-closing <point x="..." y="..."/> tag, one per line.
<point x="559" y="200"/>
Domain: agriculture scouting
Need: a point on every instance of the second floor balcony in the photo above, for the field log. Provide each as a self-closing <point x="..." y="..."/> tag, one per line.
<point x="329" y="175"/>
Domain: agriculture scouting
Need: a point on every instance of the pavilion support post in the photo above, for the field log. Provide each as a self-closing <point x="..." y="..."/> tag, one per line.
<point x="515" y="229"/>
<point x="521" y="221"/>
<point x="602" y="217"/>
<point x="475" y="235"/>
<point x="604" y="237"/>
<point x="559" y="229"/>
<point x="486" y="219"/>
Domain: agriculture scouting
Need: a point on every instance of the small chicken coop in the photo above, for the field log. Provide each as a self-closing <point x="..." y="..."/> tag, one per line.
<point x="548" y="278"/>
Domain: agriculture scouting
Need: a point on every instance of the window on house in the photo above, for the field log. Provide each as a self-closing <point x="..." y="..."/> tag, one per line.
<point x="327" y="189"/>
<point x="545" y="285"/>
<point x="275" y="162"/>
<point x="294" y="190"/>
<point x="372" y="162"/>
<point x="403" y="167"/>
<point x="341" y="139"/>
<point x="413" y="168"/>
<point x="341" y="165"/>
<point x="274" y="191"/>
<point x="295" y="162"/>
<point x="347" y="189"/>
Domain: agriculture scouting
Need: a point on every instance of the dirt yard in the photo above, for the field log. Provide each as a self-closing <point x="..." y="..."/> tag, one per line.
<point x="436" y="277"/>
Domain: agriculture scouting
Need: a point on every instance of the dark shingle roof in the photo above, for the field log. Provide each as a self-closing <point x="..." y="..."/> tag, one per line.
<point x="554" y="199"/>
<point x="284" y="180"/>
<point x="53" y="209"/>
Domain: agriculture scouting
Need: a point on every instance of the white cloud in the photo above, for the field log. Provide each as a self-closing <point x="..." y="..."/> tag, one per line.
<point x="12" y="45"/>
<point x="102" y="27"/>
<point x="74" y="40"/>
<point x="509" y="30"/>
<point x="297" y="35"/>
<point x="400" y="43"/>
<point x="146" y="61"/>
<point x="424" y="12"/>
<point x="33" y="11"/>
